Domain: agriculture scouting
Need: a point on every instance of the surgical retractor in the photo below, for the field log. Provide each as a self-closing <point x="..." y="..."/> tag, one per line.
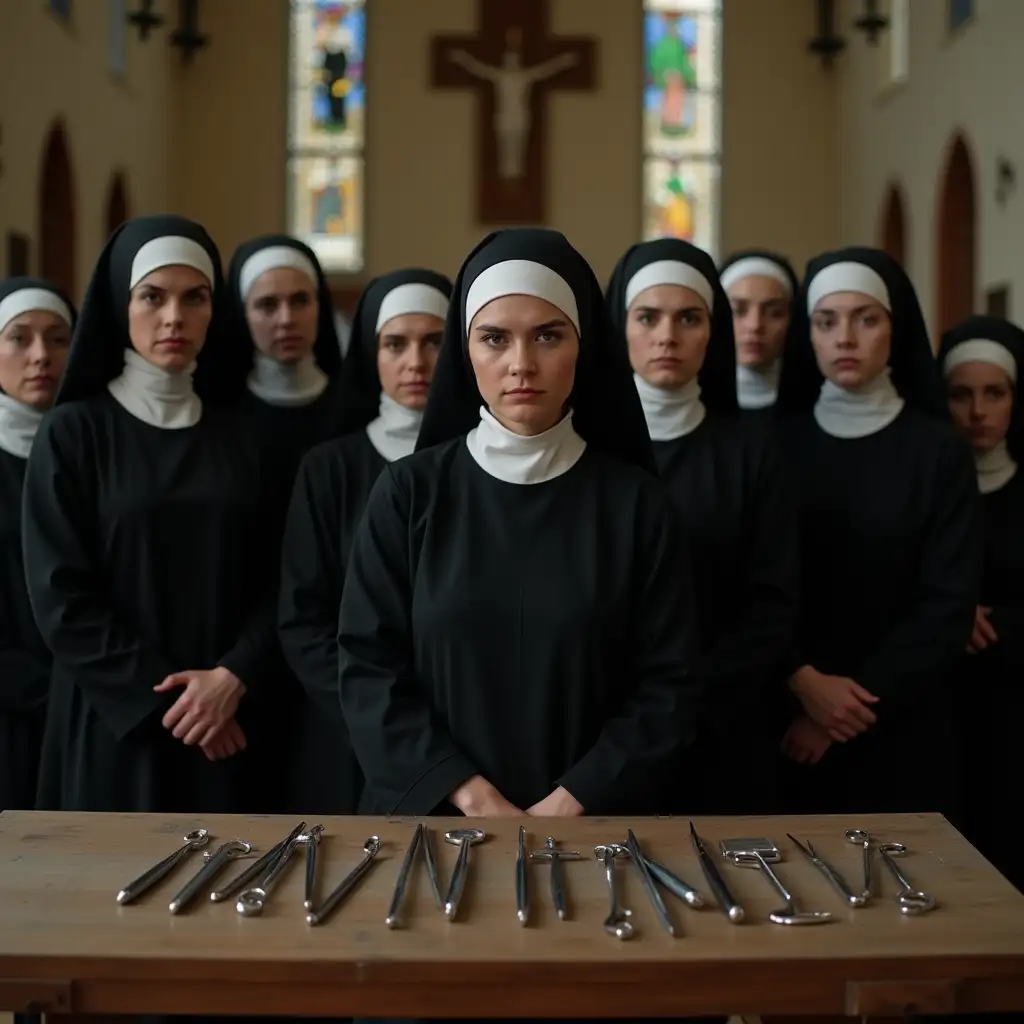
<point x="617" y="923"/>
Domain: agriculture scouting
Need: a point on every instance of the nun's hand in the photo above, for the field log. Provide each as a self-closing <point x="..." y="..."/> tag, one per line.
<point x="226" y="743"/>
<point x="559" y="804"/>
<point x="477" y="798"/>
<point x="838" y="704"/>
<point x="209" y="701"/>
<point x="984" y="634"/>
<point x="805" y="741"/>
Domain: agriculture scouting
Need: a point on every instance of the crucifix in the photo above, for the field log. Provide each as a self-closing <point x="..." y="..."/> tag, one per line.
<point x="187" y="37"/>
<point x="513" y="64"/>
<point x="144" y="19"/>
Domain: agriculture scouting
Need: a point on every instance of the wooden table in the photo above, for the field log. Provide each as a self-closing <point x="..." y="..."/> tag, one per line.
<point x="67" y="947"/>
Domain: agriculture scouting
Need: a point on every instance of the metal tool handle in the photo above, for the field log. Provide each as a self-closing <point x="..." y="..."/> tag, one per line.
<point x="428" y="858"/>
<point x="202" y="878"/>
<point x="311" y="849"/>
<point x="148" y="879"/>
<point x="773" y="878"/>
<point x="329" y="905"/>
<point x="393" y="920"/>
<point x="839" y="884"/>
<point x="675" y="885"/>
<point x="255" y="870"/>
<point x="636" y="855"/>
<point x="522" y="880"/>
<point x="717" y="885"/>
<point x="458" y="882"/>
<point x="894" y="868"/>
<point x="608" y="860"/>
<point x="869" y="871"/>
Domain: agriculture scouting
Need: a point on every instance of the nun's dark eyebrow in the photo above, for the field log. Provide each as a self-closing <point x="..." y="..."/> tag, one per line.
<point x="856" y="309"/>
<point x="659" y="309"/>
<point x="489" y="329"/>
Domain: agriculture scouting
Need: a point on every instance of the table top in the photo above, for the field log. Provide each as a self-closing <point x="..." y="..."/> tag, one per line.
<point x="66" y="944"/>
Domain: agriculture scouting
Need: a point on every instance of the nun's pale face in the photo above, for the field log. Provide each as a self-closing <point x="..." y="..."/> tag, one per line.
<point x="668" y="328"/>
<point x="169" y="312"/>
<point x="981" y="403"/>
<point x="406" y="355"/>
<point x="33" y="350"/>
<point x="852" y="338"/>
<point x="283" y="312"/>
<point x="760" y="319"/>
<point x="523" y="351"/>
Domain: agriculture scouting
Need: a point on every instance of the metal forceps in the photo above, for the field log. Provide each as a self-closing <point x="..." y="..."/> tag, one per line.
<point x="617" y="923"/>
<point x="420" y="838"/>
<point x="911" y="901"/>
<point x="838" y="882"/>
<point x="194" y="840"/>
<point x="252" y="901"/>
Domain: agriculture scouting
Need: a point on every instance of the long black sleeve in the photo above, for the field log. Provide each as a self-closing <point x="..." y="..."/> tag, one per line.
<point x="24" y="677"/>
<point x="937" y="624"/>
<point x="111" y="662"/>
<point x="659" y="706"/>
<point x="405" y="753"/>
<point x="311" y="584"/>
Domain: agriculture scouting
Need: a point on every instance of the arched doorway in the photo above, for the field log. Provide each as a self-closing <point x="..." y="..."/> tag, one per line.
<point x="117" y="202"/>
<point x="893" y="233"/>
<point x="57" y="235"/>
<point x="956" y="238"/>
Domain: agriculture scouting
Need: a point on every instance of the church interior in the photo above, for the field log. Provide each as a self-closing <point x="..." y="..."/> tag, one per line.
<point x="382" y="135"/>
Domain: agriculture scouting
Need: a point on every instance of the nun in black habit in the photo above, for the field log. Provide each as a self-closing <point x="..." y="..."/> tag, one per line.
<point x="726" y="483"/>
<point x="983" y="363"/>
<point x="142" y="511"/>
<point x="889" y="545"/>
<point x="517" y="622"/>
<point x="35" y="331"/>
<point x="396" y="334"/>
<point x="763" y="292"/>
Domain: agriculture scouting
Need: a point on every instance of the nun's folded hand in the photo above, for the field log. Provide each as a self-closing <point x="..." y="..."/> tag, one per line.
<point x="477" y="798"/>
<point x="559" y="804"/>
<point x="805" y="741"/>
<point x="838" y="704"/>
<point x="226" y="743"/>
<point x="984" y="634"/>
<point x="209" y="701"/>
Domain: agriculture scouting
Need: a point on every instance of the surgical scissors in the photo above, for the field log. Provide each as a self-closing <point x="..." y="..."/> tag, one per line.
<point x="911" y="901"/>
<point x="838" y="882"/>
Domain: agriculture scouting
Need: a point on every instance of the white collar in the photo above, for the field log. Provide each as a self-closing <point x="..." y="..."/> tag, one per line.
<point x="287" y="384"/>
<point x="18" y="426"/>
<point x="858" y="412"/>
<point x="393" y="433"/>
<point x="995" y="468"/>
<point x="756" y="387"/>
<point x="670" y="413"/>
<point x="156" y="397"/>
<point x="518" y="459"/>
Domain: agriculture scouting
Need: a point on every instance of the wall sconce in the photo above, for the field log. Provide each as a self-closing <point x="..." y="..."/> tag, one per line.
<point x="1006" y="180"/>
<point x="828" y="43"/>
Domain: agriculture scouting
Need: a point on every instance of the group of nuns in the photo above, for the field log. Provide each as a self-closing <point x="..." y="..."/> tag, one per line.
<point x="707" y="541"/>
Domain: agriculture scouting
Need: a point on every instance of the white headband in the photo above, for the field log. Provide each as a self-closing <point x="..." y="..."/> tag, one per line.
<point x="980" y="350"/>
<point x="755" y="266"/>
<point x="847" y="277"/>
<point x="670" y="272"/>
<point x="521" y="277"/>
<point x="274" y="257"/>
<point x="29" y="300"/>
<point x="170" y="251"/>
<point x="411" y="298"/>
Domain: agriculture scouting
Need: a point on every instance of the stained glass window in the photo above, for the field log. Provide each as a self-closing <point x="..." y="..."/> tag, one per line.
<point x="681" y="120"/>
<point x="326" y="129"/>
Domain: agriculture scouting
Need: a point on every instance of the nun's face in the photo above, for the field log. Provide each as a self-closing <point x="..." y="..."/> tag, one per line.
<point x="168" y="314"/>
<point x="981" y="403"/>
<point x="852" y="338"/>
<point x="523" y="351"/>
<point x="406" y="354"/>
<point x="668" y="329"/>
<point x="33" y="350"/>
<point x="283" y="312"/>
<point x="760" y="318"/>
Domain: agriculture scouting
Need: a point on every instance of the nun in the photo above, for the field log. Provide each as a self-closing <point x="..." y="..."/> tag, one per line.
<point x="397" y="331"/>
<point x="983" y="361"/>
<point x="142" y="511"/>
<point x="889" y="545"/>
<point x="726" y="484"/>
<point x="491" y="662"/>
<point x="762" y="288"/>
<point x="281" y="315"/>
<point x="35" y="331"/>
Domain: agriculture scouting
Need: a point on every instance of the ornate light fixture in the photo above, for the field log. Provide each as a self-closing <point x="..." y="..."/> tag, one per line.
<point x="828" y="43"/>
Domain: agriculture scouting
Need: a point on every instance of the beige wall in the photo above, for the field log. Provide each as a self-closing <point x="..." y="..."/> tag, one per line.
<point x="49" y="70"/>
<point x="207" y="140"/>
<point x="779" y="179"/>
<point x="972" y="81"/>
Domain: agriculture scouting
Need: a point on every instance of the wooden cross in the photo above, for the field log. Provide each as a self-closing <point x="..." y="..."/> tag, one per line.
<point x="513" y="64"/>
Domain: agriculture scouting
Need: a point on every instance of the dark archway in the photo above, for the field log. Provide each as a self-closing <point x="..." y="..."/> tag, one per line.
<point x="57" y="211"/>
<point x="956" y="238"/>
<point x="118" y="209"/>
<point x="893" y="230"/>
